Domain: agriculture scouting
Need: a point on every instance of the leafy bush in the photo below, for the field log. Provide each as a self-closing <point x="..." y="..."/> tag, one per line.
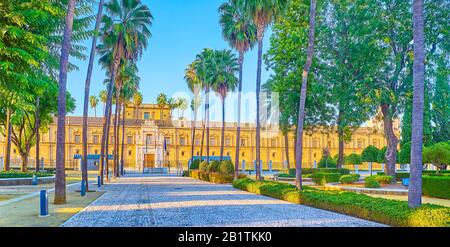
<point x="404" y="155"/>
<point x="241" y="176"/>
<point x="195" y="165"/>
<point x="385" y="211"/>
<point x="381" y="179"/>
<point x="327" y="163"/>
<point x="436" y="186"/>
<point x="203" y="165"/>
<point x="292" y="172"/>
<point x="371" y="183"/>
<point x="369" y="154"/>
<point x="399" y="175"/>
<point x="349" y="179"/>
<point x="213" y="166"/>
<point x="322" y="178"/>
<point x="381" y="155"/>
<point x="353" y="159"/>
<point x="342" y="171"/>
<point x="17" y="174"/>
<point x="213" y="177"/>
<point x="437" y="154"/>
<point x="226" y="167"/>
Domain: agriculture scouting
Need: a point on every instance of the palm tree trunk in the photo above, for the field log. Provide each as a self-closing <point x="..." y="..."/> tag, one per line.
<point x="301" y="114"/>
<point x="203" y="136"/>
<point x="60" y="178"/>
<point x="107" y="143"/>
<point x="238" y="129"/>
<point x="108" y="112"/>
<point x="123" y="141"/>
<point x="115" y="137"/>
<point x="415" y="188"/>
<point x="193" y="136"/>
<point x="222" y="139"/>
<point x="286" y="149"/>
<point x="8" y="140"/>
<point x="36" y="129"/>
<point x="260" y="34"/>
<point x="87" y="85"/>
<point x="207" y="123"/>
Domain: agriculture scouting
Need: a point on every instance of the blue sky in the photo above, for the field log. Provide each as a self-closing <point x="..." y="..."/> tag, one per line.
<point x="181" y="29"/>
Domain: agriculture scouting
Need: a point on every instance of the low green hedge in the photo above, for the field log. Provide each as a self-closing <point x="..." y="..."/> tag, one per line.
<point x="349" y="179"/>
<point x="195" y="165"/>
<point x="436" y="186"/>
<point x="214" y="177"/>
<point x="342" y="171"/>
<point x="322" y="178"/>
<point x="371" y="183"/>
<point x="385" y="211"/>
<point x="381" y="179"/>
<point x="203" y="165"/>
<point x="226" y="167"/>
<point x="16" y="174"/>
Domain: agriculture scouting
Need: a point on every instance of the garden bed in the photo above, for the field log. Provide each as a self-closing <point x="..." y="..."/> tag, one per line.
<point x="25" y="178"/>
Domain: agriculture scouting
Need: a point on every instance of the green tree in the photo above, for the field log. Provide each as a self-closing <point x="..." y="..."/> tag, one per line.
<point x="195" y="85"/>
<point x="93" y="102"/>
<point x="263" y="13"/>
<point x="162" y="102"/>
<point x="137" y="100"/>
<point x="438" y="155"/>
<point x="353" y="159"/>
<point x="404" y="156"/>
<point x="240" y="32"/>
<point x="370" y="154"/>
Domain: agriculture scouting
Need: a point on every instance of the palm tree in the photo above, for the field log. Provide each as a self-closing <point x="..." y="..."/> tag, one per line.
<point x="93" y="101"/>
<point x="227" y="66"/>
<point x="301" y="113"/>
<point x="162" y="101"/>
<point x="137" y="100"/>
<point x="87" y="86"/>
<point x="240" y="32"/>
<point x="126" y="33"/>
<point x="103" y="97"/>
<point x="60" y="177"/>
<point x="263" y="13"/>
<point x="194" y="84"/>
<point x="204" y="69"/>
<point x="415" y="188"/>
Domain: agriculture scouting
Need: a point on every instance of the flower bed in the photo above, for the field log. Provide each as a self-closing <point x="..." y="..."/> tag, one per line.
<point x="390" y="212"/>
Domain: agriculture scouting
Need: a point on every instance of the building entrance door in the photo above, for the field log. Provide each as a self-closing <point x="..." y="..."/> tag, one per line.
<point x="149" y="161"/>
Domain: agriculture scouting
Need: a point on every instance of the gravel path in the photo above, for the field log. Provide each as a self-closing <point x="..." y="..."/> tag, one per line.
<point x="178" y="201"/>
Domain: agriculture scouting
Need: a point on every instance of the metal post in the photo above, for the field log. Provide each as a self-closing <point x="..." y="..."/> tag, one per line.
<point x="83" y="188"/>
<point x="254" y="165"/>
<point x="99" y="181"/>
<point x="43" y="204"/>
<point x="34" y="180"/>
<point x="243" y="165"/>
<point x="270" y="166"/>
<point x="315" y="164"/>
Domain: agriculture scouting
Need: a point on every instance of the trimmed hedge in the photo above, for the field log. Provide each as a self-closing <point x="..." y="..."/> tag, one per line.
<point x="322" y="178"/>
<point x="349" y="179"/>
<point x="16" y="174"/>
<point x="436" y="186"/>
<point x="213" y="177"/>
<point x="371" y="183"/>
<point x="385" y="211"/>
<point x="195" y="165"/>
<point x="381" y="179"/>
<point x="342" y="171"/>
<point x="226" y="167"/>
<point x="203" y="165"/>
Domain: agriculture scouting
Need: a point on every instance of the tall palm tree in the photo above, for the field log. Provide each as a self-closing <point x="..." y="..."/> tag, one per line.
<point x="93" y="101"/>
<point x="103" y="97"/>
<point x="162" y="101"/>
<point x="240" y="32"/>
<point x="204" y="69"/>
<point x="87" y="86"/>
<point x="195" y="85"/>
<point x="227" y="66"/>
<point x="60" y="177"/>
<point x="137" y="100"/>
<point x="263" y="13"/>
<point x="126" y="32"/>
<point x="301" y="113"/>
<point x="415" y="188"/>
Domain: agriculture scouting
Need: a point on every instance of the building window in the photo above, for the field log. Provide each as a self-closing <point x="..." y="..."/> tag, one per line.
<point x="228" y="153"/>
<point x="146" y="115"/>
<point x="243" y="154"/>
<point x="273" y="143"/>
<point x="96" y="151"/>
<point x="167" y="140"/>
<point x="243" y="142"/>
<point x="182" y="153"/>
<point x="129" y="139"/>
<point x="329" y="144"/>
<point x="129" y="152"/>
<point x="314" y="143"/>
<point x="360" y="144"/>
<point x="273" y="155"/>
<point x="182" y="141"/>
<point x="213" y="141"/>
<point x="213" y="153"/>
<point x="95" y="137"/>
<point x="77" y="151"/>
<point x="197" y="141"/>
<point x="198" y="153"/>
<point x="227" y="142"/>
<point x="77" y="138"/>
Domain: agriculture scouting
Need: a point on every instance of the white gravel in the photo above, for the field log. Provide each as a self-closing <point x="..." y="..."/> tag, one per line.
<point x="177" y="201"/>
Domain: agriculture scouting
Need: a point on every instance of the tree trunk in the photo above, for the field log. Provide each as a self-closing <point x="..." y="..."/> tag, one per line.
<point x="87" y="85"/>
<point x="415" y="187"/>
<point x="203" y="136"/>
<point x="392" y="141"/>
<point x="301" y="114"/>
<point x="341" y="144"/>
<point x="36" y="129"/>
<point x="117" y="138"/>
<point x="8" y="140"/>
<point x="238" y="129"/>
<point x="193" y="136"/>
<point x="24" y="167"/>
<point x="207" y="123"/>
<point x="286" y="149"/>
<point x="60" y="177"/>
<point x="260" y="34"/>
<point x="123" y="141"/>
<point x="107" y="143"/>
<point x="108" y="110"/>
<point x="115" y="126"/>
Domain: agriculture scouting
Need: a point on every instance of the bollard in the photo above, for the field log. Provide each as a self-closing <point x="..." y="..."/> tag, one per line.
<point x="34" y="181"/>
<point x="370" y="168"/>
<point x="43" y="204"/>
<point x="243" y="165"/>
<point x="315" y="164"/>
<point x="99" y="183"/>
<point x="254" y="165"/>
<point x="270" y="166"/>
<point x="83" y="188"/>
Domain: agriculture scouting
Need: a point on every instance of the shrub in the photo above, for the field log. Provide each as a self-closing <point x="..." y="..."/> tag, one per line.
<point x="353" y="159"/>
<point x="327" y="163"/>
<point x="381" y="179"/>
<point x="436" y="186"/>
<point x="322" y="178"/>
<point x="292" y="172"/>
<point x="399" y="175"/>
<point x="371" y="183"/>
<point x="437" y="154"/>
<point x="349" y="179"/>
<point x="213" y="166"/>
<point x="226" y="167"/>
<point x="203" y="165"/>
<point x="369" y="154"/>
<point x="213" y="177"/>
<point x="17" y="174"/>
<point x="385" y="211"/>
<point x="241" y="176"/>
<point x="342" y="171"/>
<point x="195" y="165"/>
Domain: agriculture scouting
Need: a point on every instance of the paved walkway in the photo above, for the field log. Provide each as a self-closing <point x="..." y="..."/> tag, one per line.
<point x="177" y="201"/>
